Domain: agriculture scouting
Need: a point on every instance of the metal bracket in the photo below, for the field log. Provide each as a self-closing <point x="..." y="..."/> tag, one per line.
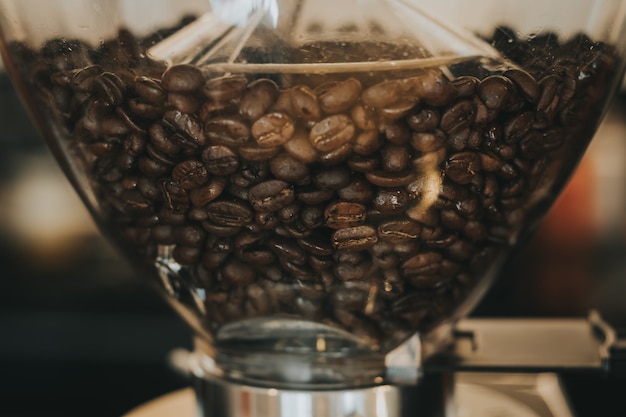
<point x="531" y="345"/>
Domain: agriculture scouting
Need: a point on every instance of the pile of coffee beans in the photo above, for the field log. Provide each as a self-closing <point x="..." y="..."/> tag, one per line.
<point x="371" y="202"/>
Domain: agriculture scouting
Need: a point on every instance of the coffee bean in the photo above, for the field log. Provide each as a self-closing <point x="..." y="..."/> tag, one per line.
<point x="182" y="78"/>
<point x="391" y="200"/>
<point x="332" y="178"/>
<point x="394" y="158"/>
<point x="190" y="174"/>
<point x="368" y="142"/>
<point x="355" y="238"/>
<point x="187" y="126"/>
<point x="257" y="98"/>
<point x="229" y="213"/>
<point x="397" y="231"/>
<point x="271" y="195"/>
<point x="337" y="97"/>
<point x="304" y="103"/>
<point x="203" y="195"/>
<point x="223" y="89"/>
<point x="220" y="160"/>
<point x="433" y="87"/>
<point x="227" y="130"/>
<point x="496" y="91"/>
<point x="462" y="167"/>
<point x="332" y="132"/>
<point x="301" y="148"/>
<point x="149" y="90"/>
<point x="238" y="273"/>
<point x="273" y="129"/>
<point x="342" y="214"/>
<point x="390" y="179"/>
<point x="287" y="168"/>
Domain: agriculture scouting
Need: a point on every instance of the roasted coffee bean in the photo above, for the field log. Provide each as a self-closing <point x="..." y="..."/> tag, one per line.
<point x="342" y="214"/>
<point x="397" y="231"/>
<point x="460" y="114"/>
<point x="238" y="273"/>
<point x="336" y="156"/>
<point x="304" y="103"/>
<point x="109" y="88"/>
<point x="360" y="163"/>
<point x="496" y="91"/>
<point x="229" y="213"/>
<point x="337" y="97"/>
<point x="182" y="78"/>
<point x="332" y="178"/>
<point x="433" y="87"/>
<point x="149" y="90"/>
<point x="227" y="130"/>
<point x="258" y="153"/>
<point x="223" y="89"/>
<point x="363" y="117"/>
<point x="391" y="200"/>
<point x="287" y="168"/>
<point x="311" y="196"/>
<point x="175" y="196"/>
<point x="466" y="85"/>
<point x="394" y="158"/>
<point x="525" y="83"/>
<point x="300" y="147"/>
<point x="355" y="238"/>
<point x="271" y="195"/>
<point x="187" y="126"/>
<point x="462" y="167"/>
<point x="183" y="102"/>
<point x="273" y="129"/>
<point x="390" y="179"/>
<point x="368" y="142"/>
<point x="358" y="191"/>
<point x="424" y="120"/>
<point x="190" y="174"/>
<point x="257" y="98"/>
<point x="382" y="94"/>
<point x="203" y="195"/>
<point x="332" y="132"/>
<point x="220" y="160"/>
<point x="427" y="141"/>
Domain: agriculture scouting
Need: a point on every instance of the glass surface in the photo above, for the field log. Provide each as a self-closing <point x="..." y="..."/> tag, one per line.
<point x="313" y="182"/>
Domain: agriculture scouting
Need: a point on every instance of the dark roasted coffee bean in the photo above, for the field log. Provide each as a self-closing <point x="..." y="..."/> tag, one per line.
<point x="258" y="153"/>
<point x="183" y="102"/>
<point x="342" y="214"/>
<point x="358" y="191"/>
<point x="394" y="158"/>
<point x="187" y="126"/>
<point x="332" y="178"/>
<point x="391" y="200"/>
<point x="347" y="272"/>
<point x="332" y="132"/>
<point x="422" y="263"/>
<point x="397" y="231"/>
<point x="227" y="130"/>
<point x="427" y="141"/>
<point x="460" y="114"/>
<point x="336" y="156"/>
<point x="226" y="88"/>
<point x="287" y="249"/>
<point x="219" y="231"/>
<point x="337" y="97"/>
<point x="382" y="94"/>
<point x="273" y="129"/>
<point x="360" y="163"/>
<point x="395" y="132"/>
<point x="462" y="167"/>
<point x="475" y="231"/>
<point x="525" y="83"/>
<point x="238" y="273"/>
<point x="186" y="255"/>
<point x="312" y="217"/>
<point x="364" y="117"/>
<point x="316" y="245"/>
<point x="149" y="90"/>
<point x="289" y="214"/>
<point x="390" y="179"/>
<point x="466" y="85"/>
<point x="229" y="213"/>
<point x="518" y="126"/>
<point x="191" y="236"/>
<point x="220" y="160"/>
<point x="300" y="147"/>
<point x="287" y="168"/>
<point x="190" y="174"/>
<point x="257" y="98"/>
<point x="424" y="120"/>
<point x="355" y="238"/>
<point x="109" y="88"/>
<point x="368" y="142"/>
<point x="313" y="196"/>
<point x="271" y="195"/>
<point x="496" y="92"/>
<point x="203" y="195"/>
<point x="183" y="78"/>
<point x="433" y="87"/>
<point x="175" y="196"/>
<point x="304" y="103"/>
<point x="161" y="140"/>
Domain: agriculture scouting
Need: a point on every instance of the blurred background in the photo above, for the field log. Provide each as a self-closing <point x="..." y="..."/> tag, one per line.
<point x="79" y="335"/>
